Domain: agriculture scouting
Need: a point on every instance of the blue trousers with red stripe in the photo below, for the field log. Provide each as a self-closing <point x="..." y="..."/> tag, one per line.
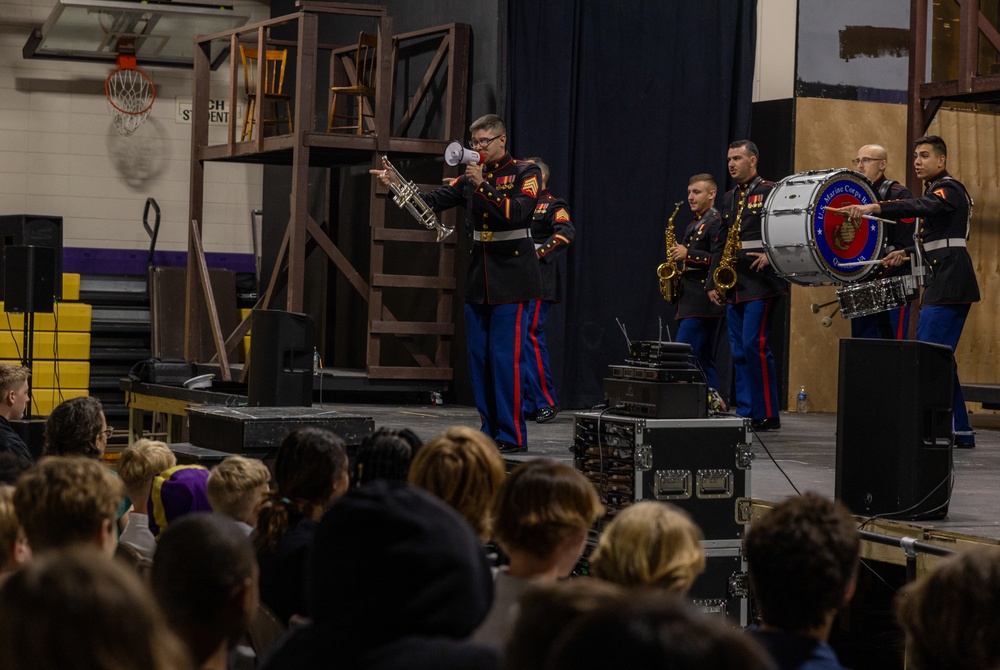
<point x="699" y="332"/>
<point x="756" y="381"/>
<point x="868" y="326"/>
<point x="538" y="389"/>
<point x="495" y="336"/>
<point x="943" y="324"/>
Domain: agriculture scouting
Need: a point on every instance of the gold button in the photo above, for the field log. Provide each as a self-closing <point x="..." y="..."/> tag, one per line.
<point x="515" y="253"/>
<point x="489" y="176"/>
<point x="486" y="226"/>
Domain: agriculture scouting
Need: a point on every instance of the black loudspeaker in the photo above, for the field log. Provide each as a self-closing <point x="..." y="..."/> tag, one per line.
<point x="894" y="428"/>
<point x="24" y="230"/>
<point x="281" y="359"/>
<point x="29" y="274"/>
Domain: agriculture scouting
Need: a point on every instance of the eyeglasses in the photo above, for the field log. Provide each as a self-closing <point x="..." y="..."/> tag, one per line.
<point x="108" y="433"/>
<point x="473" y="143"/>
<point x="864" y="161"/>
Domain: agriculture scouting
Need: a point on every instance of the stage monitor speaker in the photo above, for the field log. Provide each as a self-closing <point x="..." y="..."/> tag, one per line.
<point x="23" y="230"/>
<point x="894" y="428"/>
<point x="281" y="359"/>
<point x="29" y="274"/>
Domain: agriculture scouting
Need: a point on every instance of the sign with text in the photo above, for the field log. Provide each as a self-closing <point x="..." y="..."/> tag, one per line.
<point x="218" y="111"/>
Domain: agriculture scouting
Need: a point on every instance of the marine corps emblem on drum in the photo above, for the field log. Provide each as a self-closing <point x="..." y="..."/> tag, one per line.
<point x="810" y="245"/>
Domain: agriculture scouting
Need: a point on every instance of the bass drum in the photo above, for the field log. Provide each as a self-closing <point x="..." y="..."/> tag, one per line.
<point x="809" y="245"/>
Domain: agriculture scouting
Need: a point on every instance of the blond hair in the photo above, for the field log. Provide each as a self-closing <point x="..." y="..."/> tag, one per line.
<point x="64" y="500"/>
<point x="143" y="460"/>
<point x="9" y="526"/>
<point x="12" y="376"/>
<point x="462" y="467"/>
<point x="233" y="486"/>
<point x="650" y="544"/>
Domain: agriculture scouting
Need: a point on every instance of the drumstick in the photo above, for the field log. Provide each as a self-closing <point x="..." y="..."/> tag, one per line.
<point x="840" y="210"/>
<point x="853" y="264"/>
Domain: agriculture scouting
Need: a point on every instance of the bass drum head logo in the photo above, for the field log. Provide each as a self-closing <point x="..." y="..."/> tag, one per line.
<point x="840" y="241"/>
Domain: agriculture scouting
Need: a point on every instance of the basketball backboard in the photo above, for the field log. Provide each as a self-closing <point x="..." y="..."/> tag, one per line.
<point x="160" y="33"/>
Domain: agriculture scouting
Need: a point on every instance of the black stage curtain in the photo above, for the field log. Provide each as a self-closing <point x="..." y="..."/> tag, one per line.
<point x="625" y="101"/>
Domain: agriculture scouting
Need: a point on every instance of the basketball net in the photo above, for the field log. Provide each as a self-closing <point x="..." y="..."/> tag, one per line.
<point x="130" y="94"/>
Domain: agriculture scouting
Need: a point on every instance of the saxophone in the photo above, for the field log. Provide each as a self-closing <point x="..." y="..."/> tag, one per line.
<point x="668" y="272"/>
<point x="407" y="196"/>
<point x="725" y="275"/>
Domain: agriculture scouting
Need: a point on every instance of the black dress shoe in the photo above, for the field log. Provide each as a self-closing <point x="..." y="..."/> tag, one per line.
<point x="530" y="416"/>
<point x="511" y="448"/>
<point x="965" y="445"/>
<point x="546" y="414"/>
<point x="771" y="423"/>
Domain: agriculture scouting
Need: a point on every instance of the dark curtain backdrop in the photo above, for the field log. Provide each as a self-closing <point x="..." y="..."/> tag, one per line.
<point x="625" y="100"/>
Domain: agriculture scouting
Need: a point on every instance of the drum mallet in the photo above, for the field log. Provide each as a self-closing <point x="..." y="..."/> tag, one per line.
<point x="840" y="210"/>
<point x="816" y="308"/>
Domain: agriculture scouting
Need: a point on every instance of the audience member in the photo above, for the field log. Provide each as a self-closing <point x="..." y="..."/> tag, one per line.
<point x="547" y="610"/>
<point x="14" y="548"/>
<point x="541" y="517"/>
<point x="462" y="467"/>
<point x="802" y="560"/>
<point x="72" y="610"/>
<point x="205" y="579"/>
<point x="177" y="492"/>
<point x="397" y="580"/>
<point x="11" y="467"/>
<point x="310" y="472"/>
<point x="951" y="616"/>
<point x="14" y="399"/>
<point x="385" y="454"/>
<point x="137" y="467"/>
<point x="237" y="487"/>
<point x="654" y="632"/>
<point x="77" y="427"/>
<point x="650" y="544"/>
<point x="66" y="500"/>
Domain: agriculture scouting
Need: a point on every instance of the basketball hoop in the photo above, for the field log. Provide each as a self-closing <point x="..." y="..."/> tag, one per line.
<point x="130" y="94"/>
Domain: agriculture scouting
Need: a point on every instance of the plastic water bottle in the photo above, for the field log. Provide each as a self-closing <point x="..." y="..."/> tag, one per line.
<point x="802" y="401"/>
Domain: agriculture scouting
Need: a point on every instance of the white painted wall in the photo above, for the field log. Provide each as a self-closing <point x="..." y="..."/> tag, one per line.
<point x="61" y="156"/>
<point x="774" y="72"/>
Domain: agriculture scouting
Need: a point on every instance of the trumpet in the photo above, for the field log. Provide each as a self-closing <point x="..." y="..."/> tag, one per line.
<point x="407" y="196"/>
<point x="668" y="272"/>
<point x="724" y="276"/>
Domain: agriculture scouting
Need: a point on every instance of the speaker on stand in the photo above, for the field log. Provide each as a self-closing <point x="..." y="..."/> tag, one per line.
<point x="33" y="230"/>
<point x="894" y="428"/>
<point x="29" y="282"/>
<point x="281" y="359"/>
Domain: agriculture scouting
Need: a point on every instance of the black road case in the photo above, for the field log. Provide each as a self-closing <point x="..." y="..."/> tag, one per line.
<point x="700" y="465"/>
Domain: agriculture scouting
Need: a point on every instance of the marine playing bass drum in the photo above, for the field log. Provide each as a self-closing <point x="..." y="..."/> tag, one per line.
<point x="812" y="246"/>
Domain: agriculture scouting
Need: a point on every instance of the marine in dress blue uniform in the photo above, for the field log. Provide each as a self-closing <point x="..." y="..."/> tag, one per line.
<point x="893" y="324"/>
<point x="951" y="287"/>
<point x="552" y="231"/>
<point x="699" y="317"/>
<point x="499" y="196"/>
<point x="752" y="301"/>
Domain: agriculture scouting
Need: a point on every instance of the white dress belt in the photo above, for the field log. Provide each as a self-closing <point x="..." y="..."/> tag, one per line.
<point x="944" y="244"/>
<point x="499" y="236"/>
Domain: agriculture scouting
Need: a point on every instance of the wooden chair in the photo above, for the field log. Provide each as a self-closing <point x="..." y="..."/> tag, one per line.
<point x="364" y="87"/>
<point x="264" y="630"/>
<point x="274" y="82"/>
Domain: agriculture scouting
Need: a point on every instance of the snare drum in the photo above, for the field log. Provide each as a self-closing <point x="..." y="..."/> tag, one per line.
<point x="807" y="244"/>
<point x="876" y="296"/>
